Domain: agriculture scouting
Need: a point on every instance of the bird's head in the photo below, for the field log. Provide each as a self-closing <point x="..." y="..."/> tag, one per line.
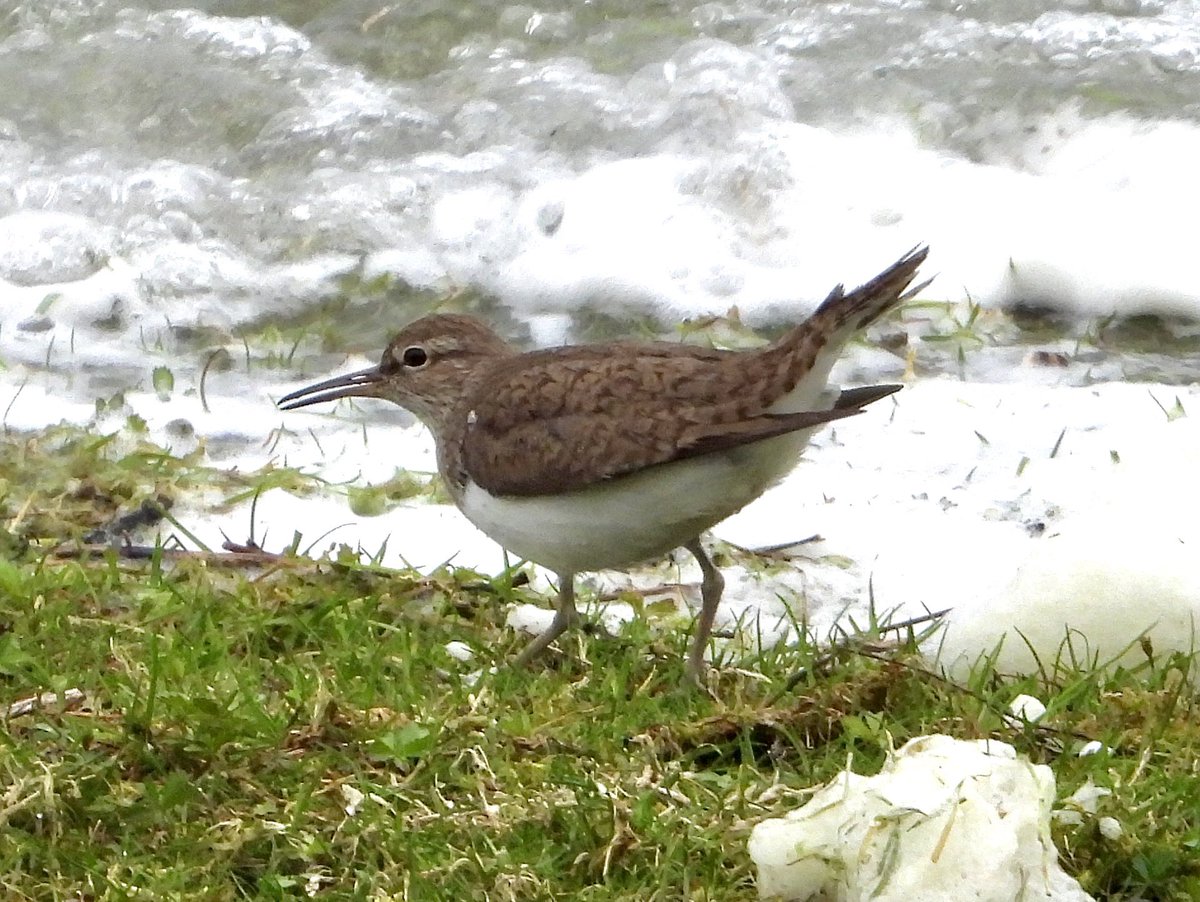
<point x="427" y="368"/>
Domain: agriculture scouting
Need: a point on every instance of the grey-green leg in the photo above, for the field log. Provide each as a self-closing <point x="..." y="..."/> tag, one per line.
<point x="711" y="588"/>
<point x="565" y="617"/>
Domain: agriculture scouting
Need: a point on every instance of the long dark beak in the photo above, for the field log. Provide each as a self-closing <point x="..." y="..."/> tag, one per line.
<point x="363" y="384"/>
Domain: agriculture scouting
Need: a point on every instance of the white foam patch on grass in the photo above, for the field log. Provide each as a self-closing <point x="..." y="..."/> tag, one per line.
<point x="28" y="406"/>
<point x="1025" y="548"/>
<point x="1088" y="596"/>
<point x="529" y="618"/>
<point x="944" y="820"/>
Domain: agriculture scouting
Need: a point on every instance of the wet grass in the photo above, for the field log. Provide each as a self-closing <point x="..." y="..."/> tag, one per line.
<point x="301" y="728"/>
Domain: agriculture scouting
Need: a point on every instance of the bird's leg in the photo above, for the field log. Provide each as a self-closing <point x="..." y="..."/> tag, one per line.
<point x="711" y="588"/>
<point x="565" y="617"/>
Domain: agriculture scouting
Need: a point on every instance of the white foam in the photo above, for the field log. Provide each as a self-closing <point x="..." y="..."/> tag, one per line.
<point x="638" y="231"/>
<point x="943" y="820"/>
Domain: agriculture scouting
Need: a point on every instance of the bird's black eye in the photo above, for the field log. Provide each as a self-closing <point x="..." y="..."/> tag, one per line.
<point x="415" y="356"/>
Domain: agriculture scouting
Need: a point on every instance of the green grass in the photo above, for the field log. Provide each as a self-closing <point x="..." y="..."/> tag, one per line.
<point x="259" y="733"/>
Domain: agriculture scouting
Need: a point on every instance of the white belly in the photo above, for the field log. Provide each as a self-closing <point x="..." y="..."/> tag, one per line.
<point x="629" y="519"/>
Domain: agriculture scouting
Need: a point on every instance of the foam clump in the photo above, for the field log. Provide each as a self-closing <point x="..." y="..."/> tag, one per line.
<point x="1084" y="597"/>
<point x="945" y="820"/>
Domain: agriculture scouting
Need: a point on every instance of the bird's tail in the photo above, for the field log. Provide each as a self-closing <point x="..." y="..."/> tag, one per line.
<point x="841" y="315"/>
<point x="861" y="307"/>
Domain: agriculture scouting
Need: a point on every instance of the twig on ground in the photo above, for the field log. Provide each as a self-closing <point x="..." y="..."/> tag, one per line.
<point x="233" y="558"/>
<point x="779" y="549"/>
<point x="68" y="699"/>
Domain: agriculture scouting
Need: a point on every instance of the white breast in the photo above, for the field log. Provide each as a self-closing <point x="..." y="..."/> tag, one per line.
<point x="632" y="518"/>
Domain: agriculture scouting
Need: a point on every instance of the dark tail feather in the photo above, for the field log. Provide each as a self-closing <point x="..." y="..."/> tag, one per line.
<point x="858" y="398"/>
<point x="841" y="315"/>
<point x="871" y="300"/>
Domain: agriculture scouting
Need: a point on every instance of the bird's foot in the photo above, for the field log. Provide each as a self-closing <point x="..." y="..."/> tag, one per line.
<point x="566" y="617"/>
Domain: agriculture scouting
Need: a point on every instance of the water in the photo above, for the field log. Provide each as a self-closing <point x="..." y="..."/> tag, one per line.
<point x="280" y="185"/>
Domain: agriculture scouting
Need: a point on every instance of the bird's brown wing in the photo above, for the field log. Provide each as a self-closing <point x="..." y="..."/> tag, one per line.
<point x="564" y="419"/>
